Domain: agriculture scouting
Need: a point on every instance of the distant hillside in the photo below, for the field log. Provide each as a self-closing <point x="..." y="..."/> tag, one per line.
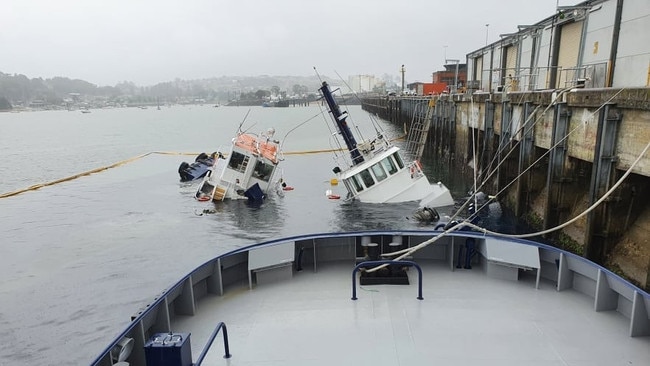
<point x="18" y="89"/>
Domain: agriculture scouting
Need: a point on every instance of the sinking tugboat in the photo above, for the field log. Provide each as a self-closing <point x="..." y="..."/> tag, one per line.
<point x="198" y="169"/>
<point x="246" y="172"/>
<point x="374" y="171"/>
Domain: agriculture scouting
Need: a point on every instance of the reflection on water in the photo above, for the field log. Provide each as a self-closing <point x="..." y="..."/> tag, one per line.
<point x="240" y="219"/>
<point x="358" y="216"/>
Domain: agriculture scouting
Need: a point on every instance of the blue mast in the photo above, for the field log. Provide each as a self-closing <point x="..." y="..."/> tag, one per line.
<point x="339" y="118"/>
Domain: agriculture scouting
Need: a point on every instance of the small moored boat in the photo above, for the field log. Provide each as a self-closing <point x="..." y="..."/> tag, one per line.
<point x="198" y="169"/>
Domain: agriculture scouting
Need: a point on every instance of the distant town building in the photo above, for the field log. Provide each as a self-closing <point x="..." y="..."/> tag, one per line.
<point x="363" y="83"/>
<point x="448" y="75"/>
<point x="419" y="88"/>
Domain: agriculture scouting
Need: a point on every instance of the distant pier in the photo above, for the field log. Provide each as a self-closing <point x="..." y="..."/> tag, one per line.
<point x="347" y="99"/>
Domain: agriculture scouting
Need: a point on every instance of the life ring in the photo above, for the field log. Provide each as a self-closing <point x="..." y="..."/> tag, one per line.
<point x="333" y="196"/>
<point x="203" y="198"/>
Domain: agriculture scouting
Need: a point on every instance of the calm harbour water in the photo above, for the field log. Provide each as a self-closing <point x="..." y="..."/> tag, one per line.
<point x="80" y="257"/>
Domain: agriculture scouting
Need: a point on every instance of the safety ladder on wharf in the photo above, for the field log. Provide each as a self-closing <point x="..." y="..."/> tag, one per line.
<point x="417" y="135"/>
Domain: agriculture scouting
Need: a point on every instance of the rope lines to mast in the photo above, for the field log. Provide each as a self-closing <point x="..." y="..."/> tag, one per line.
<point x="485" y="179"/>
<point x="468" y="224"/>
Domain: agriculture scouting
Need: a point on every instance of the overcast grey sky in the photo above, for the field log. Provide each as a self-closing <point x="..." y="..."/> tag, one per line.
<point x="150" y="41"/>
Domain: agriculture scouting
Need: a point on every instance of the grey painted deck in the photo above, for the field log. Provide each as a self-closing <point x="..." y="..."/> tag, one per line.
<point x="465" y="318"/>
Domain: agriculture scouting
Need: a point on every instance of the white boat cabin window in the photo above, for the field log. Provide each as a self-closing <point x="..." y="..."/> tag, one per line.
<point x="367" y="178"/>
<point x="355" y="183"/>
<point x="399" y="161"/>
<point x="263" y="171"/>
<point x="238" y="162"/>
<point x="379" y="172"/>
<point x="388" y="164"/>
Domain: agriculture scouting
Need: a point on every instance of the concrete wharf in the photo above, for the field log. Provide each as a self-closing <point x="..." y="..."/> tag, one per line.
<point x="549" y="155"/>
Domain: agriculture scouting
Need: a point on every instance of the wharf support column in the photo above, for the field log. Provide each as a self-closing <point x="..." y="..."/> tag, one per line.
<point x="602" y="179"/>
<point x="556" y="178"/>
<point x="526" y="152"/>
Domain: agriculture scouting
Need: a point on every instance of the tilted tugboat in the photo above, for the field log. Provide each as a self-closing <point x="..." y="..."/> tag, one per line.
<point x="246" y="172"/>
<point x="375" y="171"/>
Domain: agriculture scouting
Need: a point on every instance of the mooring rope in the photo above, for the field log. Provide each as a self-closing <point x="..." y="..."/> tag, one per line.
<point x="467" y="224"/>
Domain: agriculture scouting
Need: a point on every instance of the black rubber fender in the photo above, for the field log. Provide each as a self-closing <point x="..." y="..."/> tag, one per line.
<point x="202" y="156"/>
<point x="183" y="166"/>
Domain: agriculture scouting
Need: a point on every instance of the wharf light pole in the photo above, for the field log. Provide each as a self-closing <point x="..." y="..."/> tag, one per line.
<point x="455" y="75"/>
<point x="402" y="70"/>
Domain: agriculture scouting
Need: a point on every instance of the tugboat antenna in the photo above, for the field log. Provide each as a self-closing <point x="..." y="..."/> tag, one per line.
<point x="318" y="75"/>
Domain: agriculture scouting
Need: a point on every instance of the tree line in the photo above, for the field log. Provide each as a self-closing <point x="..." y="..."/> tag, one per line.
<point x="19" y="90"/>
